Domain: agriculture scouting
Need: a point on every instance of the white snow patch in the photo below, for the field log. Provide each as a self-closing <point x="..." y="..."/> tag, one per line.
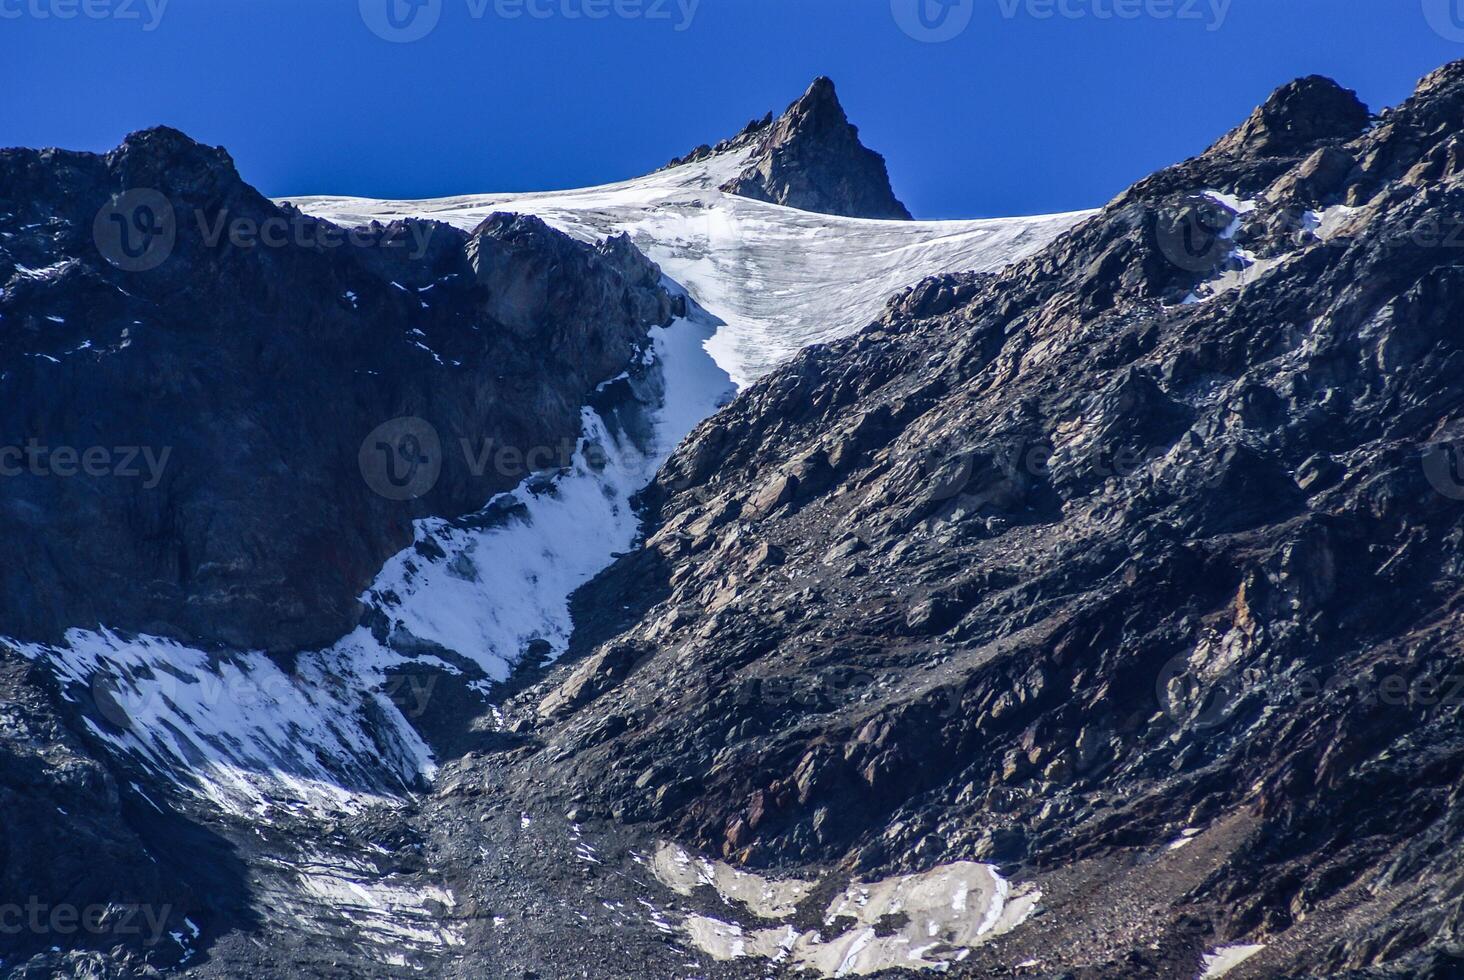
<point x="502" y="587"/>
<point x="1226" y="958"/>
<point x="236" y="729"/>
<point x="42" y="272"/>
<point x="1185" y="836"/>
<point x="949" y="910"/>
<point x="767" y="898"/>
<point x="391" y="911"/>
<point x="1333" y="221"/>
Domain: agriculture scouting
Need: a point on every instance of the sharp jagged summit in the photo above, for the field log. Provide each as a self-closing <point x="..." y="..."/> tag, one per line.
<point x="810" y="158"/>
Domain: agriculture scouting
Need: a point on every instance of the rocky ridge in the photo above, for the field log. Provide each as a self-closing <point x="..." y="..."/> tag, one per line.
<point x="1130" y="570"/>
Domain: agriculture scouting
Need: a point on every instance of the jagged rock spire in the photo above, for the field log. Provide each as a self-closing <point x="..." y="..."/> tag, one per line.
<point x="811" y="158"/>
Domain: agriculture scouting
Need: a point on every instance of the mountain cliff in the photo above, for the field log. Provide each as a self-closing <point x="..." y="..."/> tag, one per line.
<point x="224" y="360"/>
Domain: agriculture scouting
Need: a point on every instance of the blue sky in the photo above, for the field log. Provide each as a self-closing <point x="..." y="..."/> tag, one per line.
<point x="1031" y="106"/>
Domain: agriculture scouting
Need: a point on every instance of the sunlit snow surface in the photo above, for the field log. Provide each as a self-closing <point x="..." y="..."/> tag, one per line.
<point x="500" y="589"/>
<point x="779" y="278"/>
<point x="925" y="921"/>
<point x="1227" y="958"/>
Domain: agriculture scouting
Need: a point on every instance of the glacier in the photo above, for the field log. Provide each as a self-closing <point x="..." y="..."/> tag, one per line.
<point x="777" y="279"/>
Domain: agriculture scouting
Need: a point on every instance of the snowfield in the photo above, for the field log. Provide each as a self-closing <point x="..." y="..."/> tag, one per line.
<point x="777" y="278"/>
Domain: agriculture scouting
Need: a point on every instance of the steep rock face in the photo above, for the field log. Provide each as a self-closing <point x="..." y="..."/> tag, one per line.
<point x="1149" y="539"/>
<point x="811" y="158"/>
<point x="200" y="377"/>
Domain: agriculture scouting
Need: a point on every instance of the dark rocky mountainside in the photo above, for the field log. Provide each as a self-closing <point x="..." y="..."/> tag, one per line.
<point x="228" y="358"/>
<point x="1134" y="568"/>
<point x="811" y="158"/>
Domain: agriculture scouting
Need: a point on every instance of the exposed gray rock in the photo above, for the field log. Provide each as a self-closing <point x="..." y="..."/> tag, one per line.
<point x="1135" y="566"/>
<point x="811" y="159"/>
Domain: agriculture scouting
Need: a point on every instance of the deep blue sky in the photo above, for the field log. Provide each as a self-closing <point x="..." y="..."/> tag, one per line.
<point x="1017" y="114"/>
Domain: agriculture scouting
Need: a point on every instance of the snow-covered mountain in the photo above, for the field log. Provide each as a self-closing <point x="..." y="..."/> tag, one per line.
<point x="270" y="743"/>
<point x="765" y="281"/>
<point x="1069" y="595"/>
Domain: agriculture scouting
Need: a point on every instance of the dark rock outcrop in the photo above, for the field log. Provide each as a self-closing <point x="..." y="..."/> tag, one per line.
<point x="198" y="377"/>
<point x="811" y="158"/>
<point x="1296" y="115"/>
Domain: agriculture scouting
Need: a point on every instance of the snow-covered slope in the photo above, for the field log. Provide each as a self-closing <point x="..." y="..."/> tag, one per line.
<point x="767" y="281"/>
<point x="779" y="279"/>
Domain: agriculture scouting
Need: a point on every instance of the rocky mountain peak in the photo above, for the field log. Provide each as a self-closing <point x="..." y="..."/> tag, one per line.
<point x="1297" y="115"/>
<point x="820" y="100"/>
<point x="1441" y="78"/>
<point x="173" y="162"/>
<point x="811" y="158"/>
